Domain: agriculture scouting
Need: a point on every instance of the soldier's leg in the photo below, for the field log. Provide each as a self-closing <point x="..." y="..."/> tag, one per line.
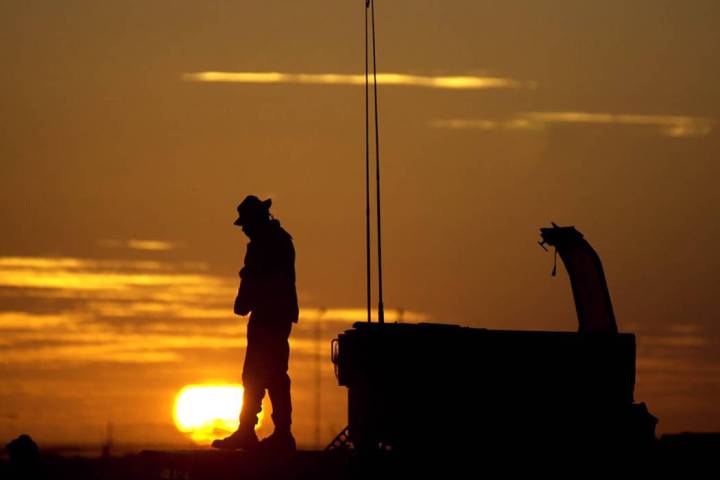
<point x="254" y="391"/>
<point x="279" y="381"/>
<point x="253" y="377"/>
<point x="252" y="403"/>
<point x="279" y="391"/>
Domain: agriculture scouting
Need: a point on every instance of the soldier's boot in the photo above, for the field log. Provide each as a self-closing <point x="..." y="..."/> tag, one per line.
<point x="281" y="442"/>
<point x="244" y="438"/>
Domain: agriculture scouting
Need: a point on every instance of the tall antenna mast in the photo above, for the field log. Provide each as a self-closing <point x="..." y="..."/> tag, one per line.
<point x="370" y="4"/>
<point x="381" y="308"/>
<point x="367" y="173"/>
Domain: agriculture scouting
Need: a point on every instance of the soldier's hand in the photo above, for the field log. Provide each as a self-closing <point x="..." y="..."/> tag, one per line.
<point x="240" y="309"/>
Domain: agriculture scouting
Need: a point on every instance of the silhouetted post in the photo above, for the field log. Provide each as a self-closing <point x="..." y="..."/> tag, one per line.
<point x="381" y="308"/>
<point x="318" y="376"/>
<point x="367" y="174"/>
<point x="107" y="446"/>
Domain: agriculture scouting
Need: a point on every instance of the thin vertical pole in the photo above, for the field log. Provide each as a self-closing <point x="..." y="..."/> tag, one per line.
<point x="367" y="172"/>
<point x="381" y="309"/>
<point x="318" y="376"/>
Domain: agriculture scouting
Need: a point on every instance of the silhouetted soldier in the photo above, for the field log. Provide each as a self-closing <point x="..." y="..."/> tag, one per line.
<point x="25" y="459"/>
<point x="267" y="289"/>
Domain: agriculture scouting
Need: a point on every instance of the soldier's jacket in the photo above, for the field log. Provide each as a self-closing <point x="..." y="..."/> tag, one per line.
<point x="267" y="285"/>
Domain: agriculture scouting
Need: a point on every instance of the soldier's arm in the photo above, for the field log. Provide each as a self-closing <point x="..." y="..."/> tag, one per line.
<point x="243" y="300"/>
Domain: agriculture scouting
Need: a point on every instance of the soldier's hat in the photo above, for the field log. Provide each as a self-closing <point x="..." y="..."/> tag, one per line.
<point x="252" y="209"/>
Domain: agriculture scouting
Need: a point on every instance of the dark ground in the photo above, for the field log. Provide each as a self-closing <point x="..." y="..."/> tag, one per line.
<point x="681" y="456"/>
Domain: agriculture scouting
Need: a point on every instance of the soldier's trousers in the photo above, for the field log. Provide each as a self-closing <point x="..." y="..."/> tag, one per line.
<point x="265" y="368"/>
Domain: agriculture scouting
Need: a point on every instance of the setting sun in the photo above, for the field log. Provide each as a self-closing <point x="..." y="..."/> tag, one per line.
<point x="207" y="412"/>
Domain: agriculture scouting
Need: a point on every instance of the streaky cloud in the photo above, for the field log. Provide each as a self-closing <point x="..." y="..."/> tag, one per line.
<point x="678" y="340"/>
<point x="135" y="312"/>
<point x="670" y="125"/>
<point x="676" y="126"/>
<point x="460" y="82"/>
<point x="74" y="274"/>
<point x="97" y="280"/>
<point x="28" y="322"/>
<point x="72" y="264"/>
<point x="149" y="245"/>
<point x="360" y="314"/>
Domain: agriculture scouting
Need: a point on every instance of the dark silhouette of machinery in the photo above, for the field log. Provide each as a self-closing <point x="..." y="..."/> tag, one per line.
<point x="415" y="387"/>
<point x="590" y="291"/>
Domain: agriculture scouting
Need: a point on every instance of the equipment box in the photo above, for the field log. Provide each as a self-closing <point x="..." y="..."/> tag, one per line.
<point x="424" y="385"/>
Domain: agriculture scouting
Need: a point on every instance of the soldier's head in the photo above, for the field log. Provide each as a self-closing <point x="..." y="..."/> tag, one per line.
<point x="253" y="213"/>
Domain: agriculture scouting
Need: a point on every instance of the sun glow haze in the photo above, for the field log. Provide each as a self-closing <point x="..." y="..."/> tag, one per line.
<point x="207" y="412"/>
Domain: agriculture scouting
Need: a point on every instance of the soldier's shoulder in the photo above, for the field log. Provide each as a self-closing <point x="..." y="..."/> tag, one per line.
<point x="281" y="232"/>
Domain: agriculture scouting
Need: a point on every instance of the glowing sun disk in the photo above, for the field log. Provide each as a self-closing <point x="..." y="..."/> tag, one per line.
<point x="207" y="412"/>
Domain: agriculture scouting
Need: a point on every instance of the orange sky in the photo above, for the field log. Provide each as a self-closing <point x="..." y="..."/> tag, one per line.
<point x="122" y="165"/>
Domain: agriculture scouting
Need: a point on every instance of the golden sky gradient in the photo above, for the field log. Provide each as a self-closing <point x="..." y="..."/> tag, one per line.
<point x="121" y="168"/>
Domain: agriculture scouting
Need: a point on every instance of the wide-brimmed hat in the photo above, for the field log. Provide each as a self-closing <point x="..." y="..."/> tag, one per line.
<point x="252" y="209"/>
